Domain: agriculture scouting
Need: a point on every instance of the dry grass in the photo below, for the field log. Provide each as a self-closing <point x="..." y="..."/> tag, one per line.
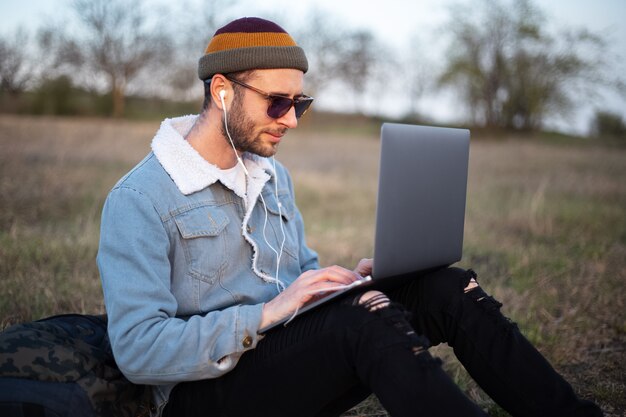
<point x="545" y="229"/>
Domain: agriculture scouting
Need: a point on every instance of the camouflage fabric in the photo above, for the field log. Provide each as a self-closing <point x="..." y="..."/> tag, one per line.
<point x="71" y="349"/>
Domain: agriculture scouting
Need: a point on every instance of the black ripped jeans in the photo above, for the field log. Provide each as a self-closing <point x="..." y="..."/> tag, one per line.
<point x="330" y="359"/>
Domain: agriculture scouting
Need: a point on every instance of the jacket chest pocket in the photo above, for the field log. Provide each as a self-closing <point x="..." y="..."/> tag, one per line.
<point x="203" y="237"/>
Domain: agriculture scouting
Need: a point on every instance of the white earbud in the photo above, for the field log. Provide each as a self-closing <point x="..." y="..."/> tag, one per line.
<point x="222" y="95"/>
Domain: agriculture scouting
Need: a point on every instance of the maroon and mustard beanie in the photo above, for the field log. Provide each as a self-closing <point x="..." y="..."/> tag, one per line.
<point x="250" y="43"/>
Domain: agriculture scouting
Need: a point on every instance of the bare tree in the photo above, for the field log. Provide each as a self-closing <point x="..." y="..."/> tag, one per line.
<point x="417" y="70"/>
<point x="545" y="78"/>
<point x="114" y="41"/>
<point x="15" y="68"/>
<point x="477" y="58"/>
<point x="60" y="55"/>
<point x="510" y="71"/>
<point x="358" y="60"/>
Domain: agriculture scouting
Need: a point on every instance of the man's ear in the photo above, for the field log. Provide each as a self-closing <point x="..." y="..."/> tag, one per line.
<point x="219" y="90"/>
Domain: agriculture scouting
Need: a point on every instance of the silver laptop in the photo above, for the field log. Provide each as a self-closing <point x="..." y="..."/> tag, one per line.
<point x="420" y="212"/>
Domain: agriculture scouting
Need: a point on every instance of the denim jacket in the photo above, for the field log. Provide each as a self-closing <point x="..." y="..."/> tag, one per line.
<point x="185" y="262"/>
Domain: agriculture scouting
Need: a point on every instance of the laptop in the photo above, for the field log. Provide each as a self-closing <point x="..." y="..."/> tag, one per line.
<point x="420" y="211"/>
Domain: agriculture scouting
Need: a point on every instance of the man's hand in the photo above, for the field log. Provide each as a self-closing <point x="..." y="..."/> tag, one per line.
<point x="364" y="267"/>
<point x="305" y="288"/>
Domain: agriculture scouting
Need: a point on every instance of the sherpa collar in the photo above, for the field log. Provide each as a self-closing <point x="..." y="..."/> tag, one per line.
<point x="190" y="171"/>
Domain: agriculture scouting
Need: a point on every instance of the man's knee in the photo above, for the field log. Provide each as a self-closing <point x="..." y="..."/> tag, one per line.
<point x="373" y="300"/>
<point x="471" y="285"/>
<point x="395" y="317"/>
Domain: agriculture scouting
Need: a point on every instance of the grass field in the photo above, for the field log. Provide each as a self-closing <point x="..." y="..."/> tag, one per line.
<point x="545" y="230"/>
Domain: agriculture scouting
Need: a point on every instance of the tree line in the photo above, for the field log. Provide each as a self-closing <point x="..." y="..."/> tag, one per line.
<point x="501" y="62"/>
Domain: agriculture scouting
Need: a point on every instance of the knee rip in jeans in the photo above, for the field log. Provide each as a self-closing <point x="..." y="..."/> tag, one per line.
<point x="477" y="294"/>
<point x="472" y="285"/>
<point x="375" y="301"/>
<point x="487" y="302"/>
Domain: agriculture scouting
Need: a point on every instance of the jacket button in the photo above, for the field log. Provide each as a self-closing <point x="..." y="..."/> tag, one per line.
<point x="247" y="342"/>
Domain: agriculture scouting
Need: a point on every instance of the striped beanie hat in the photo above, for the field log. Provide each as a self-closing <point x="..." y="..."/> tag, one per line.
<point x="250" y="43"/>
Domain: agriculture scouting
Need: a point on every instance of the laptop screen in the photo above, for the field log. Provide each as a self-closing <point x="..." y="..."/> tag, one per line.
<point x="420" y="211"/>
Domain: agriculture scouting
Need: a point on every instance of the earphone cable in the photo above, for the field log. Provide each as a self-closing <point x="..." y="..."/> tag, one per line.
<point x="279" y="285"/>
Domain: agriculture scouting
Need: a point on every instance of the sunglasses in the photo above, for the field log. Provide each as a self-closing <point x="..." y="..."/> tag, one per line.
<point x="280" y="105"/>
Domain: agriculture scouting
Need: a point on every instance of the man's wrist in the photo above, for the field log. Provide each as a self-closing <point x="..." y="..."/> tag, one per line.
<point x="266" y="318"/>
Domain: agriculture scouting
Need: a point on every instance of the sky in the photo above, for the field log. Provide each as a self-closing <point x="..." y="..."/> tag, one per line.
<point x="396" y="23"/>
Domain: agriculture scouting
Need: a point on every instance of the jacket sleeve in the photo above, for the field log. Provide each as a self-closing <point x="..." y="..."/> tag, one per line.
<point x="150" y="344"/>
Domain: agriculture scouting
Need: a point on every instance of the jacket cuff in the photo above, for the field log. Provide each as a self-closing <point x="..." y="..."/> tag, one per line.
<point x="248" y="322"/>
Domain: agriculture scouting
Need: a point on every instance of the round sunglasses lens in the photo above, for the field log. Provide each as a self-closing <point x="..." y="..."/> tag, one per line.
<point x="302" y="107"/>
<point x="279" y="107"/>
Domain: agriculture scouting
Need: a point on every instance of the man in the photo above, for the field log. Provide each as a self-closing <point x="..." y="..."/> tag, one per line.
<point x="202" y="245"/>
